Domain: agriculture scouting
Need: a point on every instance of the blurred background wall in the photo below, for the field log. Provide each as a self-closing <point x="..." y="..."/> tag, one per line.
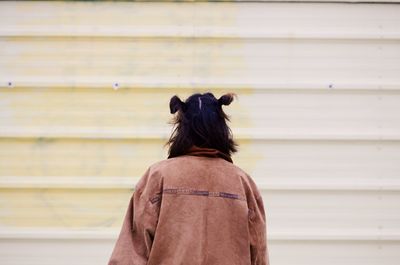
<point x="84" y="94"/>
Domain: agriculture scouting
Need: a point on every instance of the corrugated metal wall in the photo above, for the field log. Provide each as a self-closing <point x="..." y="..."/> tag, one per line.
<point x="84" y="93"/>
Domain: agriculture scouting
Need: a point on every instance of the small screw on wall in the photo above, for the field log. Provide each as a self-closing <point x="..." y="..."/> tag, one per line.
<point x="10" y="84"/>
<point x="115" y="86"/>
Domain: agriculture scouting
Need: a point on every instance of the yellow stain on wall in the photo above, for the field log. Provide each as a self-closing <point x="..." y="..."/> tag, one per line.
<point x="69" y="122"/>
<point x="63" y="208"/>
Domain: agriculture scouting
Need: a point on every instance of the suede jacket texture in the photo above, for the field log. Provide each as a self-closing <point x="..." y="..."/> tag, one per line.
<point x="194" y="209"/>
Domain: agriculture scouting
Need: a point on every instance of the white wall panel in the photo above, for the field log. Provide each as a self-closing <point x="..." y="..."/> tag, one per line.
<point x="317" y="118"/>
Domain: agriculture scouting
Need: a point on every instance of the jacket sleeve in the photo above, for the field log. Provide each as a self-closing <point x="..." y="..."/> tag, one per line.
<point x="135" y="239"/>
<point x="258" y="231"/>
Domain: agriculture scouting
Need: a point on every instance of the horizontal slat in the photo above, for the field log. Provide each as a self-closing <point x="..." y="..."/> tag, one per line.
<point x="130" y="113"/>
<point x="271" y="163"/>
<point x="194" y="63"/>
<point x="114" y="182"/>
<point x="185" y="32"/>
<point x="98" y="251"/>
<point x="55" y="251"/>
<point x="59" y="233"/>
<point x="335" y="252"/>
<point x="296" y="212"/>
<point x="55" y="208"/>
<point x="103" y="234"/>
<point x="341" y="211"/>
<point x="204" y="20"/>
<point x="35" y="134"/>
<point x="221" y="84"/>
<point x="66" y="157"/>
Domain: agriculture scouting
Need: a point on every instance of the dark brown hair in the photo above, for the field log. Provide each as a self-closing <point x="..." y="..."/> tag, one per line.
<point x="200" y="121"/>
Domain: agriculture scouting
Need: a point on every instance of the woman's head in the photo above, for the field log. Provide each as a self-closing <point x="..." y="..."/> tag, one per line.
<point x="200" y="121"/>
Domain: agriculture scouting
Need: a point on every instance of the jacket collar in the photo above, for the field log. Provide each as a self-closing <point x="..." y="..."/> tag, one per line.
<point x="208" y="152"/>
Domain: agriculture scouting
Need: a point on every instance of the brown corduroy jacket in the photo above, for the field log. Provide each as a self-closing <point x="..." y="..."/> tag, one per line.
<point x="194" y="209"/>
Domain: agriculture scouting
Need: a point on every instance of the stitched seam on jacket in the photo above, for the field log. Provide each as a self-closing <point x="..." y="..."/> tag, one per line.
<point x="156" y="198"/>
<point x="190" y="191"/>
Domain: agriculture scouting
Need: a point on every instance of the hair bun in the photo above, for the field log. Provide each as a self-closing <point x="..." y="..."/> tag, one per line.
<point x="176" y="104"/>
<point x="226" y="99"/>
